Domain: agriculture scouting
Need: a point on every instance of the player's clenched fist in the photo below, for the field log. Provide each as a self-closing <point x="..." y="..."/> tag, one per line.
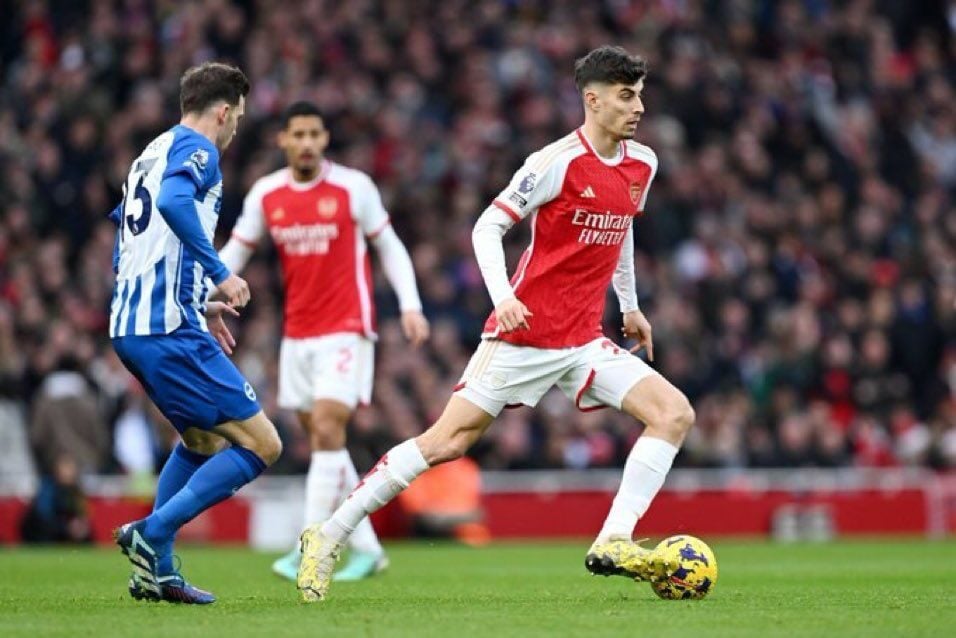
<point x="235" y="290"/>
<point x="512" y="314"/>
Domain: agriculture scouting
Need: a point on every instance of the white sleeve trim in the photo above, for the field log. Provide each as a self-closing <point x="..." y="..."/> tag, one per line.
<point x="398" y="268"/>
<point x="490" y="253"/>
<point x="624" y="281"/>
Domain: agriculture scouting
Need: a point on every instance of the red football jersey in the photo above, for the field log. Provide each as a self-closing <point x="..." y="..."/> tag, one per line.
<point x="319" y="229"/>
<point x="581" y="207"/>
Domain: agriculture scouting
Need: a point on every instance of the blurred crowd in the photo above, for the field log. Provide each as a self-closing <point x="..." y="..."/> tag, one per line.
<point x="797" y="258"/>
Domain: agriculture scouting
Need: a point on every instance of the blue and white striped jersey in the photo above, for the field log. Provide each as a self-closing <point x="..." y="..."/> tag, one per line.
<point x="159" y="283"/>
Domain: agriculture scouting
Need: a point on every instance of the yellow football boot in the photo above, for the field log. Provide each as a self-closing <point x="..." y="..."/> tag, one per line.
<point x="319" y="555"/>
<point x="625" y="557"/>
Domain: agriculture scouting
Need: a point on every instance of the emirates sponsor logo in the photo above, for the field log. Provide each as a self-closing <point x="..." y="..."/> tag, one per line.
<point x="305" y="239"/>
<point x="601" y="228"/>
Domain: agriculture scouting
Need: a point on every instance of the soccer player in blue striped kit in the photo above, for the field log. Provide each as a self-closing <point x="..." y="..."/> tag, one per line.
<point x="173" y="339"/>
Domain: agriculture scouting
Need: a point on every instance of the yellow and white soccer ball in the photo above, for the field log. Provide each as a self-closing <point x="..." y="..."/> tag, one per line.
<point x="696" y="573"/>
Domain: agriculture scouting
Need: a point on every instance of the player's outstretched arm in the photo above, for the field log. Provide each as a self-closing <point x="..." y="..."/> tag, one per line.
<point x="401" y="275"/>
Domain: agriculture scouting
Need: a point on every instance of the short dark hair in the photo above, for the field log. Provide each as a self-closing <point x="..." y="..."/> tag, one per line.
<point x="211" y="82"/>
<point x="299" y="109"/>
<point x="609" y="65"/>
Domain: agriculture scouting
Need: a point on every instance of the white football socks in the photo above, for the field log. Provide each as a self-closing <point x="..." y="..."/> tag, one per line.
<point x="392" y="474"/>
<point x="363" y="539"/>
<point x="647" y="465"/>
<point x="326" y="484"/>
<point x="331" y="477"/>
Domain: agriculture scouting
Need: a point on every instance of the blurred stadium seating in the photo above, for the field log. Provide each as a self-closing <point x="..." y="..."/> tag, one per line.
<point x="797" y="258"/>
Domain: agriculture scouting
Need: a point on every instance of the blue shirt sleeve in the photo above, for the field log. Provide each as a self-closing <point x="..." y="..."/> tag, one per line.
<point x="193" y="155"/>
<point x="177" y="205"/>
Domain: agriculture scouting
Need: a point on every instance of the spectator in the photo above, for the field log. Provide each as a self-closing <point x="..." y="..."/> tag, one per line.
<point x="66" y="423"/>
<point x="797" y="256"/>
<point x="58" y="512"/>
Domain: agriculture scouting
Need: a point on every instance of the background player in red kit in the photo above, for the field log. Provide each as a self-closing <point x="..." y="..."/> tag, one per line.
<point x="319" y="215"/>
<point x="582" y="193"/>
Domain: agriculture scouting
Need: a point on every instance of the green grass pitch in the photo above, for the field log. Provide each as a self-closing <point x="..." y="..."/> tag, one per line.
<point x="867" y="588"/>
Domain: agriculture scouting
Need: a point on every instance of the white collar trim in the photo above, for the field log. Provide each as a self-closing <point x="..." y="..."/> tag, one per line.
<point x="614" y="161"/>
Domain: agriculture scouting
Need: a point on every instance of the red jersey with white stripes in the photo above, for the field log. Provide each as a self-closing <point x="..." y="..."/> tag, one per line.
<point x="319" y="229"/>
<point x="581" y="206"/>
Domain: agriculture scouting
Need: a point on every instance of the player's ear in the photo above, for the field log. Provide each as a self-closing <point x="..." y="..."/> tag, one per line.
<point x="592" y="100"/>
<point x="222" y="113"/>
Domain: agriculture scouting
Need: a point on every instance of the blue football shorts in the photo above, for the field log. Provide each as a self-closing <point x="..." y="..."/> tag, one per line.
<point x="188" y="377"/>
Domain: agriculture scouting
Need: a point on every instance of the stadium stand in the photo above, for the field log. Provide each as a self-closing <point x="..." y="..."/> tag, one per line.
<point x="797" y="257"/>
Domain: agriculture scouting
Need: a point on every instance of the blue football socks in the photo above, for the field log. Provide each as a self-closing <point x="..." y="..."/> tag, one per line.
<point x="216" y="480"/>
<point x="179" y="468"/>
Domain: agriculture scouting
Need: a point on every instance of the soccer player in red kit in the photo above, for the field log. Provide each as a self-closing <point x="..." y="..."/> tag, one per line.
<point x="581" y="194"/>
<point x="319" y="215"/>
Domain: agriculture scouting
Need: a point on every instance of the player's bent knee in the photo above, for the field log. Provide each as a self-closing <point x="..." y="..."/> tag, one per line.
<point x="322" y="441"/>
<point x="257" y="434"/>
<point x="680" y="417"/>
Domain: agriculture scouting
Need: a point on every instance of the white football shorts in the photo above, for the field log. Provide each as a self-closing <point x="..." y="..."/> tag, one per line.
<point x="338" y="366"/>
<point x="595" y="375"/>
